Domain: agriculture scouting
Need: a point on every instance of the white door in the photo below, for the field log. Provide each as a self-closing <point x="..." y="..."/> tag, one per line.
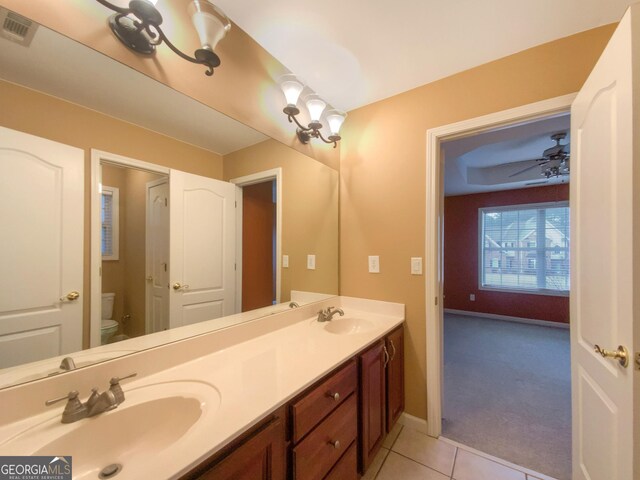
<point x="605" y="223"/>
<point x="41" y="248"/>
<point x="157" y="291"/>
<point x="202" y="248"/>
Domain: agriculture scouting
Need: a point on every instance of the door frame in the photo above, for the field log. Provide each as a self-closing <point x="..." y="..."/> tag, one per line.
<point x="97" y="158"/>
<point x="252" y="179"/>
<point x="434" y="231"/>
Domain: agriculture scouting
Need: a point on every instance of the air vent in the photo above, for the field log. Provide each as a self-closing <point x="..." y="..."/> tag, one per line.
<point x="17" y="28"/>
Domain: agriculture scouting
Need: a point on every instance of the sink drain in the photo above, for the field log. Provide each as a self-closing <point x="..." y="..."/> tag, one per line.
<point x="110" y="471"/>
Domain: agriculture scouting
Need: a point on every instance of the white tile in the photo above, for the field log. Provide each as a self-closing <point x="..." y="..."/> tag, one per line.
<point x="428" y="451"/>
<point x="470" y="466"/>
<point x="391" y="437"/>
<point x="374" y="468"/>
<point x="398" y="467"/>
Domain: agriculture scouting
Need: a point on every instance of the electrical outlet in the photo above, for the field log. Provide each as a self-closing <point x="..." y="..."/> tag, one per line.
<point x="374" y="264"/>
<point x="285" y="261"/>
<point x="311" y="262"/>
<point x="416" y="265"/>
<point x="472" y="297"/>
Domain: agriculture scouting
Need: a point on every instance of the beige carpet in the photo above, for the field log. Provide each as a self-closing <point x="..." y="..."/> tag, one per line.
<point x="507" y="391"/>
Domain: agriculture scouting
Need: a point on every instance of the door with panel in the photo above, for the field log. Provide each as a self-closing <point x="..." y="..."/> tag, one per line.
<point x="157" y="258"/>
<point x="41" y="248"/>
<point x="202" y="248"/>
<point x="605" y="262"/>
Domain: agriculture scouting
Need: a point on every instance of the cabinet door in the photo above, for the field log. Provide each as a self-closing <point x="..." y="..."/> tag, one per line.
<point x="262" y="456"/>
<point x="373" y="399"/>
<point x="395" y="376"/>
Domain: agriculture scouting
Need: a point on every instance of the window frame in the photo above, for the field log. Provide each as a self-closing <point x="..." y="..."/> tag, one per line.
<point x="115" y="222"/>
<point x="522" y="290"/>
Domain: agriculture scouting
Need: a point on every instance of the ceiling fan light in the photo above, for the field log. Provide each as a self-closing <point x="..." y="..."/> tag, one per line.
<point x="210" y="23"/>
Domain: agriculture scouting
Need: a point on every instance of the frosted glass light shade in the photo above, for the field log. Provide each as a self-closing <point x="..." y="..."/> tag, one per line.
<point x="316" y="106"/>
<point x="291" y="87"/>
<point x="335" y="119"/>
<point x="210" y="22"/>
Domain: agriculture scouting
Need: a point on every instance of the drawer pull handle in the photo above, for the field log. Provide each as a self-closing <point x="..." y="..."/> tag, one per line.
<point x="335" y="443"/>
<point x="335" y="396"/>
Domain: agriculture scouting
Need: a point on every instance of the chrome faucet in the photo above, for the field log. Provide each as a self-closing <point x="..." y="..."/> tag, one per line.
<point x="293" y="305"/>
<point x="327" y="314"/>
<point x="96" y="403"/>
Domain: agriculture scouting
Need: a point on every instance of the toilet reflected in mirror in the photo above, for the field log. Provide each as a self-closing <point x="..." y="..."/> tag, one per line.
<point x="109" y="326"/>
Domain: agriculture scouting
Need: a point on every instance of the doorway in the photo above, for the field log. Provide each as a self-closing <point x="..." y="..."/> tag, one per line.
<point x="447" y="332"/>
<point x="259" y="218"/>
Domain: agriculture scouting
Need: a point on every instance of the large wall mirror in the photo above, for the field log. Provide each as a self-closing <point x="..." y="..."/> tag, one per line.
<point x="178" y="220"/>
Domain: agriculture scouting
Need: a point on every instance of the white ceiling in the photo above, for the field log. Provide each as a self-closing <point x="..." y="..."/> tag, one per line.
<point x="487" y="161"/>
<point x="355" y="52"/>
<point x="61" y="67"/>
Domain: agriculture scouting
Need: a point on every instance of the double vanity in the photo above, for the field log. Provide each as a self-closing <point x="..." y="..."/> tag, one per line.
<point x="285" y="396"/>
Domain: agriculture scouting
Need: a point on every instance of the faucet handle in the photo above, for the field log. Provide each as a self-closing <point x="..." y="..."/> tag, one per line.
<point x="72" y="395"/>
<point x="117" y="380"/>
<point x="116" y="389"/>
<point x="74" y="410"/>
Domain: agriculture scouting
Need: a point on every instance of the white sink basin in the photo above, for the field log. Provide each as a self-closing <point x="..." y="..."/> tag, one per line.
<point x="152" y="419"/>
<point x="348" y="325"/>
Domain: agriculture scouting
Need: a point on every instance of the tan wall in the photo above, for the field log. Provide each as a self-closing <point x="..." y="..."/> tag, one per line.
<point x="243" y="87"/>
<point x="114" y="271"/>
<point x="310" y="212"/>
<point x="49" y="117"/>
<point x="382" y="199"/>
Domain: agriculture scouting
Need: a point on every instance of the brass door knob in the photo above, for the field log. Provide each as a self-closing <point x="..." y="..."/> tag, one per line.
<point x="621" y="354"/>
<point x="70" y="297"/>
<point x="178" y="286"/>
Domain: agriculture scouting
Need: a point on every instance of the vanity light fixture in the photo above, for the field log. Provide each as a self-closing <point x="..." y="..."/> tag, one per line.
<point x="138" y="27"/>
<point x="292" y="88"/>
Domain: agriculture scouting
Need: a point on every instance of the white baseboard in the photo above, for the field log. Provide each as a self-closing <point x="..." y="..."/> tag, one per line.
<point x="412" y="422"/>
<point x="507" y="318"/>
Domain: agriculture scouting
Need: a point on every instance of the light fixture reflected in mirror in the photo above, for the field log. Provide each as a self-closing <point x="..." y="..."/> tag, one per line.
<point x="292" y="88"/>
<point x="138" y="27"/>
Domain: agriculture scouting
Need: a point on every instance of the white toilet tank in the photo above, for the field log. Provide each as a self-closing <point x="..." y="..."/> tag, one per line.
<point x="107" y="305"/>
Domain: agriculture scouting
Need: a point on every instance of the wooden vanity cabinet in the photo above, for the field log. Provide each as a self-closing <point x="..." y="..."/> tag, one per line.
<point x="372" y="402"/>
<point x="395" y="376"/>
<point x="259" y="454"/>
<point x="324" y="428"/>
<point x="381" y="393"/>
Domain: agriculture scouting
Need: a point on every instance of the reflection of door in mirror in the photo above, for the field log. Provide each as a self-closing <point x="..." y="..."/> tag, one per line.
<point x="125" y="214"/>
<point x="41" y="248"/>
<point x="258" y="245"/>
<point x="157" y="253"/>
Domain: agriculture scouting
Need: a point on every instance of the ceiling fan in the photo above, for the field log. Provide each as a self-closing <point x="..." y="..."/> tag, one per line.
<point x="556" y="157"/>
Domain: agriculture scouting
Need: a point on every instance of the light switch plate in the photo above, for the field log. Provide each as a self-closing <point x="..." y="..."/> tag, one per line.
<point x="472" y="297"/>
<point x="416" y="265"/>
<point x="311" y="262"/>
<point x="285" y="261"/>
<point x="374" y="264"/>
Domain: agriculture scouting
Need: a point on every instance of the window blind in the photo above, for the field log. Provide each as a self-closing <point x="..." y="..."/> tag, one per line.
<point x="525" y="247"/>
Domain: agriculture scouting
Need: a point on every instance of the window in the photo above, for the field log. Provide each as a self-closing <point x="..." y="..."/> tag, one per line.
<point x="525" y="248"/>
<point x="109" y="215"/>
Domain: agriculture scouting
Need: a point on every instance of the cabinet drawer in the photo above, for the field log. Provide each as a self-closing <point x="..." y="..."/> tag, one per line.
<point x="315" y="455"/>
<point x="317" y="404"/>
<point x="347" y="467"/>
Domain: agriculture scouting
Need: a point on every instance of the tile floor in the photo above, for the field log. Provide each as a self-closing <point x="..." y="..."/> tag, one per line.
<point x="408" y="454"/>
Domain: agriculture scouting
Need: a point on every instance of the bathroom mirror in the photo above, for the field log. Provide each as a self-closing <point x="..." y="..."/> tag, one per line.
<point x="135" y="131"/>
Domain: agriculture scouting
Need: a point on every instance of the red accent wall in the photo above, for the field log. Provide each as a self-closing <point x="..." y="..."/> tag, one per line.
<point x="461" y="257"/>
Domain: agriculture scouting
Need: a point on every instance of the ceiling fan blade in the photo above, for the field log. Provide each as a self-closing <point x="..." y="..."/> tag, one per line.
<point x="542" y="162"/>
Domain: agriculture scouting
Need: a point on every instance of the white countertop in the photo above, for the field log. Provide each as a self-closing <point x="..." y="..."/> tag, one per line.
<point x="250" y="379"/>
